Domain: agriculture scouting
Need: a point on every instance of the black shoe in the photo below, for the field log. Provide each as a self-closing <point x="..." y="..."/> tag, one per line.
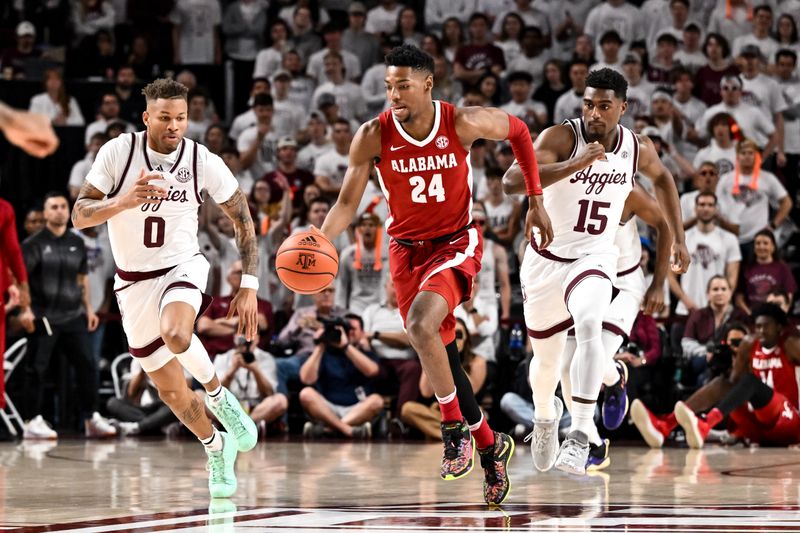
<point x="494" y="460"/>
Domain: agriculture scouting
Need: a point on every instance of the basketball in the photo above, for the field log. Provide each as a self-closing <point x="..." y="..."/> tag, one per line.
<point x="307" y="262"/>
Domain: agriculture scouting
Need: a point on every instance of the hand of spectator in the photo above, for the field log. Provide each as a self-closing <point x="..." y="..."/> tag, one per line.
<point x="690" y="304"/>
<point x="237" y="362"/>
<point x="13" y="297"/>
<point x="92" y="321"/>
<point x="653" y="302"/>
<point x="142" y="192"/>
<point x="628" y="358"/>
<point x="30" y="131"/>
<point x="232" y="323"/>
<point x="26" y="318"/>
<point x="262" y="130"/>
<point x="780" y="159"/>
<point x="281" y="181"/>
<point x="343" y="338"/>
<point x="680" y="258"/>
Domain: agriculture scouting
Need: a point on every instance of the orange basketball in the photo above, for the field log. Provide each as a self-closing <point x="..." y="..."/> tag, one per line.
<point x="307" y="262"/>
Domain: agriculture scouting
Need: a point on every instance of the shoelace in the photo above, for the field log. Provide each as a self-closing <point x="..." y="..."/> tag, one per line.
<point x="573" y="449"/>
<point x="216" y="465"/>
<point x="452" y="443"/>
<point x="542" y="435"/>
<point x="232" y="416"/>
<point x="490" y="468"/>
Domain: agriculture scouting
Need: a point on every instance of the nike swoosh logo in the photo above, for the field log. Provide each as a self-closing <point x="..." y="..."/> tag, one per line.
<point x="503" y="452"/>
<point x="396" y="148"/>
<point x="455" y="241"/>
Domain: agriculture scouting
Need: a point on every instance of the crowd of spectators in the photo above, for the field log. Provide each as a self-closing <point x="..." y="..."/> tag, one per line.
<point x="279" y="88"/>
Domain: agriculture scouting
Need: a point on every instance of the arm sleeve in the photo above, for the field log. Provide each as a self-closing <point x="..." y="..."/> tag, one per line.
<point x="219" y="182"/>
<point x="9" y="244"/>
<point x="103" y="174"/>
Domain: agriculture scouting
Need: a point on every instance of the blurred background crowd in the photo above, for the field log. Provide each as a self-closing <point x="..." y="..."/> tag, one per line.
<point x="278" y="88"/>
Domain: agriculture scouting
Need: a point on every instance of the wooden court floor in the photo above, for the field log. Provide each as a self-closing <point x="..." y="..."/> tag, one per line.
<point x="160" y="485"/>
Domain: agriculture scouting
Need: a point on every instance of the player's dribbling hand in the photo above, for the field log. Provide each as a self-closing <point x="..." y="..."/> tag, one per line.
<point x="538" y="218"/>
<point x="680" y="258"/>
<point x="653" y="300"/>
<point x="143" y="192"/>
<point x="592" y="152"/>
<point x="245" y="305"/>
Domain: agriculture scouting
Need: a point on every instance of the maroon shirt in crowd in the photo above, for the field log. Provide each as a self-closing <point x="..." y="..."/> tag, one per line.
<point x="219" y="309"/>
<point x="758" y="280"/>
<point x="706" y="83"/>
<point x="480" y="56"/>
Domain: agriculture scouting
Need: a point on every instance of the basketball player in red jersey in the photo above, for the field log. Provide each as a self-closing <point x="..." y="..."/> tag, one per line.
<point x="420" y="151"/>
<point x="762" y="404"/>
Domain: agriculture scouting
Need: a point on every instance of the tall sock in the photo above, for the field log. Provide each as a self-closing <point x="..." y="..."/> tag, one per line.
<point x="216" y="395"/>
<point x="214" y="442"/>
<point x="484" y="436"/>
<point x="466" y="396"/>
<point x="543" y="373"/>
<point x="583" y="420"/>
<point x="449" y="408"/>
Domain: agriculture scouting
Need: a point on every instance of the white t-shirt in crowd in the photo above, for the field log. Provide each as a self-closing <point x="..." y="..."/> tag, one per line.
<point x="725" y="158"/>
<point x="750" y="208"/>
<point x="755" y="123"/>
<point x="308" y="155"/>
<point x="41" y="103"/>
<point x="316" y="65"/>
<point x="348" y="96"/>
<point x="380" y="20"/>
<point x="265" y="156"/>
<point x="198" y="20"/>
<point x="243" y="385"/>
<point x="711" y="253"/>
<point x="332" y="165"/>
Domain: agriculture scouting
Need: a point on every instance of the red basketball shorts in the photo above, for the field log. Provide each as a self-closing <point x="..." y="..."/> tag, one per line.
<point x="776" y="424"/>
<point x="447" y="268"/>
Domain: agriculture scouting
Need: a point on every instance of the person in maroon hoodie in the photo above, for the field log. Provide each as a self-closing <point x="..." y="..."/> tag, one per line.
<point x="11" y="263"/>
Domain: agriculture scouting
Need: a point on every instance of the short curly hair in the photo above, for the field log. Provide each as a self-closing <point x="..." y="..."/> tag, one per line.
<point x="772" y="311"/>
<point x="408" y="55"/>
<point x="606" y="78"/>
<point x="165" y="88"/>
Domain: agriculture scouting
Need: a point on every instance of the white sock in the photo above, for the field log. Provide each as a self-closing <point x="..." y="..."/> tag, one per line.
<point x="216" y="394"/>
<point x="583" y="420"/>
<point x="214" y="442"/>
<point x="543" y="374"/>
<point x="446" y="399"/>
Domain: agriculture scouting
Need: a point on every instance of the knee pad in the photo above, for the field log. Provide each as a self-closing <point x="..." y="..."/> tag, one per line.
<point x="197" y="362"/>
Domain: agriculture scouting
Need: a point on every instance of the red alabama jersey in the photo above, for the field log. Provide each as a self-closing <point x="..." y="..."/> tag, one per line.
<point x="428" y="183"/>
<point x="775" y="369"/>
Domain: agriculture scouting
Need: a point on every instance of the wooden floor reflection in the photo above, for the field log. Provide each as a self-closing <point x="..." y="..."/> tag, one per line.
<point x="334" y="486"/>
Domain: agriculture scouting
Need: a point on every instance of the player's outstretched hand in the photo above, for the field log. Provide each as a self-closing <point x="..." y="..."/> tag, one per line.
<point x="537" y="217"/>
<point x="653" y="300"/>
<point x="143" y="192"/>
<point x="30" y="131"/>
<point x="245" y="305"/>
<point x="680" y="258"/>
<point x="591" y="152"/>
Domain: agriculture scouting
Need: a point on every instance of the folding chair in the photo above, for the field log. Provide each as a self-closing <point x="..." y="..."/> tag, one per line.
<point x="11" y="359"/>
<point x="117" y="373"/>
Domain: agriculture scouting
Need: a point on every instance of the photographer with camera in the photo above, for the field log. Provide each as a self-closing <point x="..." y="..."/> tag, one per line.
<point x="251" y="375"/>
<point x="707" y="325"/>
<point x="339" y="381"/>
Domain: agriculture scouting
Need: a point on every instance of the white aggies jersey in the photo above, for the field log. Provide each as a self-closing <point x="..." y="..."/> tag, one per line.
<point x="585" y="208"/>
<point x="163" y="235"/>
<point x="630" y="247"/>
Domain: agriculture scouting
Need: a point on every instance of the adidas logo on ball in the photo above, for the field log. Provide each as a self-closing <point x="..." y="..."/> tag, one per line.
<point x="309" y="241"/>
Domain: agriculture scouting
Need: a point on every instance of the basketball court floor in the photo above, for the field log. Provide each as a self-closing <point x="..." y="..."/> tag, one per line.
<point x="157" y="485"/>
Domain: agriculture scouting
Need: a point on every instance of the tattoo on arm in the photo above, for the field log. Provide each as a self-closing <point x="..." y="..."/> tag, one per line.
<point x="192" y="414"/>
<point x="88" y="202"/>
<point x="239" y="212"/>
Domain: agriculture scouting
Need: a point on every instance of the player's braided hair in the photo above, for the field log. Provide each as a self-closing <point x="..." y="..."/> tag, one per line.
<point x="772" y="311"/>
<point x="164" y="88"/>
<point x="606" y="78"/>
<point x="408" y="55"/>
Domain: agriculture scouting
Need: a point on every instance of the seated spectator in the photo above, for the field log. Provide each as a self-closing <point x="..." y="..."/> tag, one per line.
<point x="142" y="59"/>
<point x="721" y="149"/>
<point x="248" y="119"/>
<point x="215" y="139"/>
<point x="763" y="273"/>
<point x="131" y="101"/>
<point x="16" y="60"/>
<point x="316" y="132"/>
<point x="62" y="108"/>
<point x="251" y="375"/>
<point x="81" y="168"/>
<point x="317" y="70"/>
<point x="480" y="318"/>
<point x="714" y="252"/>
<point x="533" y="113"/>
<point x="746" y="195"/>
<point x="256" y="144"/>
<point x="641" y="354"/>
<point x="408" y="27"/>
<point x="140" y="411"/>
<point x="107" y="113"/>
<point x="338" y="378"/>
<point x="198" y="122"/>
<point x="362" y="266"/>
<point x="298" y="335"/>
<point x="427" y="418"/>
<point x="217" y="330"/>
<point x="230" y="156"/>
<point x="330" y="167"/>
<point x="708" y="325"/>
<point x="373" y="86"/>
<point x="703" y="181"/>
<point x="347" y="95"/>
<point x="400" y="366"/>
<point x="296" y="178"/>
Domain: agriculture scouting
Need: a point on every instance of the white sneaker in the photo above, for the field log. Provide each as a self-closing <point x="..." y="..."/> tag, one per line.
<point x="573" y="454"/>
<point x="38" y="429"/>
<point x="128" y="428"/>
<point x="544" y="440"/>
<point x="99" y="427"/>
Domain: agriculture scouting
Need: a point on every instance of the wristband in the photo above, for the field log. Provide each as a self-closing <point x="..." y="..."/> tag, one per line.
<point x="249" y="282"/>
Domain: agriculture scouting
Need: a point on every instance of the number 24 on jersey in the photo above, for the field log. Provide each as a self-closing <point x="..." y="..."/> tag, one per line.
<point x="435" y="189"/>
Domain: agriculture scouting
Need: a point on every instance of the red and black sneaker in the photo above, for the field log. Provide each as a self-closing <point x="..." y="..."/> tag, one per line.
<point x="494" y="460"/>
<point x="459" y="450"/>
